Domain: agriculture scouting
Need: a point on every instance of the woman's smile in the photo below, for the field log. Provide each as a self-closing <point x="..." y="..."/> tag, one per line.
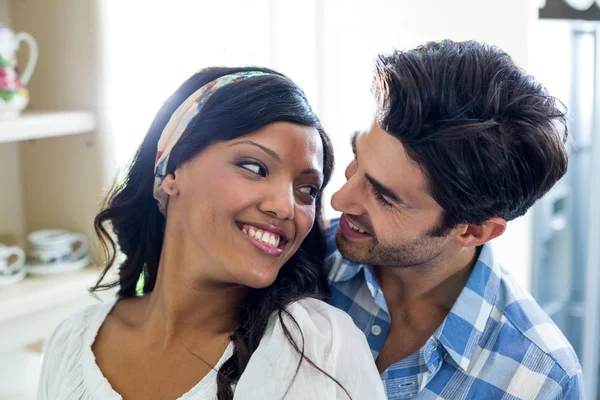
<point x="266" y="238"/>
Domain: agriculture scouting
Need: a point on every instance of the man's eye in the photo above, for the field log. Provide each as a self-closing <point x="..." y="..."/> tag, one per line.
<point x="379" y="196"/>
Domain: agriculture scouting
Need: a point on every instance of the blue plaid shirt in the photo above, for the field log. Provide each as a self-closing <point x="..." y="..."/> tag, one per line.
<point x="496" y="342"/>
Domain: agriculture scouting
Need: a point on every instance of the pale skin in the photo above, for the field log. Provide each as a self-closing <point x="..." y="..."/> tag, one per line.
<point x="161" y="345"/>
<point x="420" y="293"/>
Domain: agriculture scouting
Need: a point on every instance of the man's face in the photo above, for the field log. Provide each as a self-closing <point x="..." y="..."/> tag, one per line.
<point x="386" y="197"/>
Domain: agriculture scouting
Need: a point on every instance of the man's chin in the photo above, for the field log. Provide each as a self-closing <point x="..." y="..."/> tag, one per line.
<point x="351" y="251"/>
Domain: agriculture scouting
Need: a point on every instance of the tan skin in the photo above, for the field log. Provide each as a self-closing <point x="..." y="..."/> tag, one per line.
<point x="420" y="275"/>
<point x="161" y="345"/>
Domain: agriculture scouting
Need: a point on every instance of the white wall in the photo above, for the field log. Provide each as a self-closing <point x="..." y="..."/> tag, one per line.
<point x="143" y="66"/>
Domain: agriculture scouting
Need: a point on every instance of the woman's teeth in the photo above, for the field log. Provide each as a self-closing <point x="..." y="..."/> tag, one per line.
<point x="356" y="228"/>
<point x="269" y="238"/>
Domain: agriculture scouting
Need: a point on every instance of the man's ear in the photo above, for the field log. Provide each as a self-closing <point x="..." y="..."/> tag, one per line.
<point x="476" y="235"/>
<point x="169" y="185"/>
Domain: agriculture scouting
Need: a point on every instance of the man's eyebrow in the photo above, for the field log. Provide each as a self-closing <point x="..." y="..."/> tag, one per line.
<point x="387" y="192"/>
<point x="353" y="141"/>
<point x="380" y="187"/>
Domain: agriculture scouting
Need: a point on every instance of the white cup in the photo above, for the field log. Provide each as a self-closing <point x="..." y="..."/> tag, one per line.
<point x="12" y="260"/>
<point x="53" y="246"/>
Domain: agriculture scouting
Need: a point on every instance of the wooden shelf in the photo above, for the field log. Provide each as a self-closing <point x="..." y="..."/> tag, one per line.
<point x="44" y="124"/>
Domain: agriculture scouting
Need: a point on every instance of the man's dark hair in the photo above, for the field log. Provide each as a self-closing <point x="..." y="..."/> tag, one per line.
<point x="488" y="137"/>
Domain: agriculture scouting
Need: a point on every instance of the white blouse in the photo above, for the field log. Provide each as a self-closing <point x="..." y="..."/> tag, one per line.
<point x="331" y="340"/>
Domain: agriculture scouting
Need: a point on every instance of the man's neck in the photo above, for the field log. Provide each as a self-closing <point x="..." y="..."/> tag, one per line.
<point x="437" y="283"/>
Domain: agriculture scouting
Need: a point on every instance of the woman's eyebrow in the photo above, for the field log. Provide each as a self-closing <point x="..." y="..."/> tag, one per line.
<point x="270" y="152"/>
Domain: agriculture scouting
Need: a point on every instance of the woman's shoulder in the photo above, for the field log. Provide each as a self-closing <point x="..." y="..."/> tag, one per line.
<point x="81" y="322"/>
<point x="315" y="322"/>
<point x="76" y="330"/>
<point x="315" y="313"/>
<point x="306" y="346"/>
<point x="65" y="356"/>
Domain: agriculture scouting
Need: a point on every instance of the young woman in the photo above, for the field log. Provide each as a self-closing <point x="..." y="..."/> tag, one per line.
<point x="219" y="221"/>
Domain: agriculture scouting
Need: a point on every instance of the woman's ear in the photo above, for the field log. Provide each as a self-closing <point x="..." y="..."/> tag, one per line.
<point x="169" y="185"/>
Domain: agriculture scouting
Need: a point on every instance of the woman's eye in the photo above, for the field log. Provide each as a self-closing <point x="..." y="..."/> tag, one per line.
<point x="255" y="168"/>
<point x="313" y="191"/>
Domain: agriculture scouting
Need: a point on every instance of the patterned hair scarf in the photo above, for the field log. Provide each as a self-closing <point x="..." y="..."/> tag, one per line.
<point x="177" y="127"/>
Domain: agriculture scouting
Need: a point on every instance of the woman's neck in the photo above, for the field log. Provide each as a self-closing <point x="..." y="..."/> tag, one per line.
<point x="185" y="305"/>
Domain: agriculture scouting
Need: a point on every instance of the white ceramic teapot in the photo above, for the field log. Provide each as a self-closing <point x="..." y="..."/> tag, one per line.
<point x="14" y="96"/>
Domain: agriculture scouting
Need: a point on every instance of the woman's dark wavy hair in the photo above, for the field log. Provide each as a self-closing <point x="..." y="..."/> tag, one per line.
<point x="232" y="111"/>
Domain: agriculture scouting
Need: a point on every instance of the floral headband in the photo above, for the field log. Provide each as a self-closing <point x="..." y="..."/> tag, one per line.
<point x="177" y="127"/>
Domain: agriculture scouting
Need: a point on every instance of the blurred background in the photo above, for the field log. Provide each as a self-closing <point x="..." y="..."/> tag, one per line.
<point x="100" y="69"/>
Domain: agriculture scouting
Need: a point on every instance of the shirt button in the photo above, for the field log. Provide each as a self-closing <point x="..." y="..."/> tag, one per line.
<point x="376" y="330"/>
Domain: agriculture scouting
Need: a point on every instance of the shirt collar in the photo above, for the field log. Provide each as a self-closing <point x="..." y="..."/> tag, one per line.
<point x="463" y="327"/>
<point x="348" y="271"/>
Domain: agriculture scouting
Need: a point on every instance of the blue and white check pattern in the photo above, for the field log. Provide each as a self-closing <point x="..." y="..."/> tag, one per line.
<point x="496" y="342"/>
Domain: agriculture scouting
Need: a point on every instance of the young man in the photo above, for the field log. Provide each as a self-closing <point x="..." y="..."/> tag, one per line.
<point x="462" y="142"/>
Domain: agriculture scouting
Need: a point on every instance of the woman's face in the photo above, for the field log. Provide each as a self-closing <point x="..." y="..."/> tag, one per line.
<point x="244" y="206"/>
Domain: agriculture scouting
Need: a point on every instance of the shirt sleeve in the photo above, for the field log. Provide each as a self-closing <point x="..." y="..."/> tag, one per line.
<point x="330" y="340"/>
<point x="573" y="390"/>
<point x="61" y="376"/>
<point x="54" y="354"/>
